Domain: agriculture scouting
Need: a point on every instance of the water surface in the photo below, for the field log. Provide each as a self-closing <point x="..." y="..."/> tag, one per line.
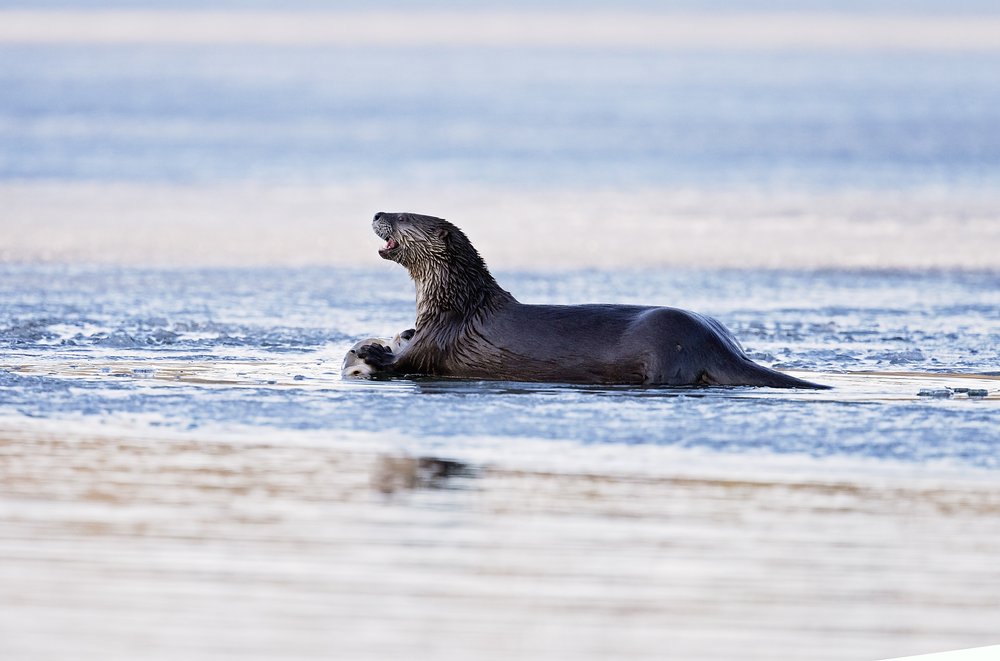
<point x="263" y="348"/>
<point x="184" y="474"/>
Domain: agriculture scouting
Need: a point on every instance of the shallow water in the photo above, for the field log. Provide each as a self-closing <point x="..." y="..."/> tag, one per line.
<point x="263" y="348"/>
<point x="216" y="546"/>
<point x="184" y="474"/>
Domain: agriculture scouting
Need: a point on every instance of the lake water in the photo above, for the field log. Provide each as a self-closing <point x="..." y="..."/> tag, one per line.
<point x="184" y="474"/>
<point x="121" y="342"/>
<point x="541" y="117"/>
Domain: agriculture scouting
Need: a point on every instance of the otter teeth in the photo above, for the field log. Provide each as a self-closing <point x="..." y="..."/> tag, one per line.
<point x="390" y="243"/>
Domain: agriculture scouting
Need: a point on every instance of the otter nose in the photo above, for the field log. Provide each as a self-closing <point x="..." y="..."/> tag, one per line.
<point x="379" y="215"/>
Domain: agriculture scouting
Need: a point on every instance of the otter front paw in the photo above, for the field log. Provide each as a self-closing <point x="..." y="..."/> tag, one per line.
<point x="376" y="356"/>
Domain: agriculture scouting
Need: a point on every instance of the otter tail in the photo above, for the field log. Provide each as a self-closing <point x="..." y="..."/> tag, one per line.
<point x="745" y="372"/>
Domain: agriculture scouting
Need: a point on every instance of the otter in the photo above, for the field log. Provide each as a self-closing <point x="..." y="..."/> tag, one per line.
<point x="467" y="326"/>
<point x="356" y="368"/>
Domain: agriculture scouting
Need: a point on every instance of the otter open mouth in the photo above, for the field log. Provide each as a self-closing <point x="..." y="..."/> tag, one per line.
<point x="390" y="244"/>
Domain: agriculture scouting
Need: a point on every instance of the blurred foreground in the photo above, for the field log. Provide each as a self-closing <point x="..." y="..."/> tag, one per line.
<point x="133" y="545"/>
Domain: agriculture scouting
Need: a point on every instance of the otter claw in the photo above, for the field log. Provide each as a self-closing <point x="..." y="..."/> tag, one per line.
<point x="375" y="355"/>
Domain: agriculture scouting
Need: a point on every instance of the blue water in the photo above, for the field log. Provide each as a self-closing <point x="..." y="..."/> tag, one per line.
<point x="101" y="343"/>
<point x="541" y="118"/>
<point x="513" y="116"/>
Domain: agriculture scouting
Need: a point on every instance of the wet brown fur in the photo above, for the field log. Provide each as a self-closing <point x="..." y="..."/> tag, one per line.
<point x="468" y="326"/>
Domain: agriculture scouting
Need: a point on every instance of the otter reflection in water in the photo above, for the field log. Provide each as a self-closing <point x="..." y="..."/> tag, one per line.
<point x="469" y="327"/>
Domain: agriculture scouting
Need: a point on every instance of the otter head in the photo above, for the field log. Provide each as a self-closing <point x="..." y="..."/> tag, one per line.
<point x="355" y="368"/>
<point x="450" y="275"/>
<point x="414" y="240"/>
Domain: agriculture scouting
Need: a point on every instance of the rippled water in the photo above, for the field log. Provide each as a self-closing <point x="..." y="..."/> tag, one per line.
<point x="184" y="474"/>
<point x="263" y="348"/>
